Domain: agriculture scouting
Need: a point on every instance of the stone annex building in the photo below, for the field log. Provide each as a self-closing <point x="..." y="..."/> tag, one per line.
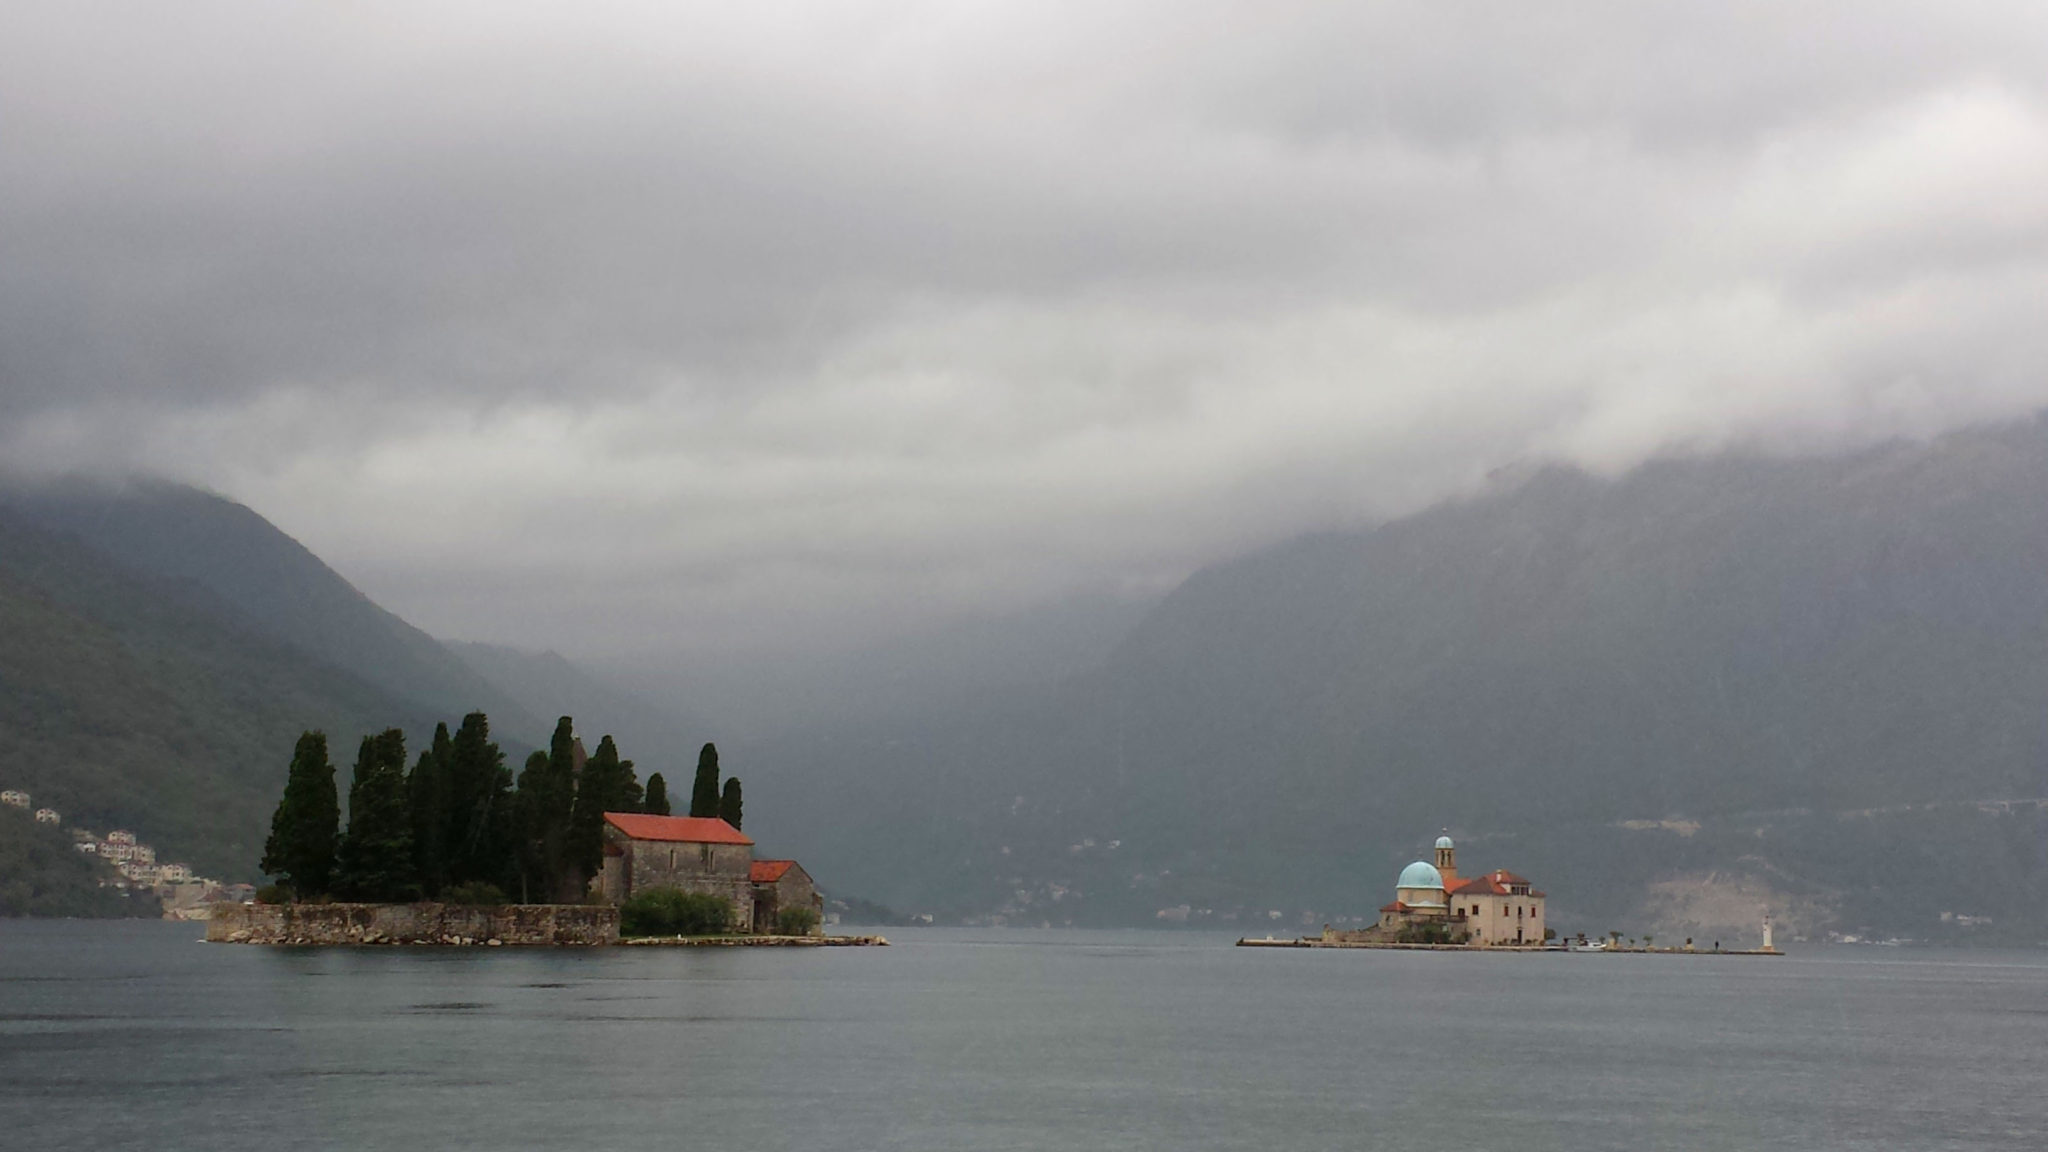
<point x="702" y="854"/>
<point x="1496" y="909"/>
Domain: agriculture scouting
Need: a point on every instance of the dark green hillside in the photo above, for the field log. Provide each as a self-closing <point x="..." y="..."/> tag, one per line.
<point x="229" y="561"/>
<point x="42" y="875"/>
<point x="123" y="704"/>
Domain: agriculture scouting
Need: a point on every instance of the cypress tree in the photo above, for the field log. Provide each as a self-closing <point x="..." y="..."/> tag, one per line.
<point x="607" y="785"/>
<point x="547" y="800"/>
<point x="657" y="795"/>
<point x="427" y="792"/>
<point x="303" y="830"/>
<point x="526" y="803"/>
<point x="730" y="803"/>
<point x="704" y="791"/>
<point x="558" y="804"/>
<point x="376" y="861"/>
<point x="627" y="796"/>
<point x="478" y="839"/>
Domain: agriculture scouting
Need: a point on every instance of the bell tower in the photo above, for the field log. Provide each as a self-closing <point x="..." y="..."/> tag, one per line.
<point x="1447" y="858"/>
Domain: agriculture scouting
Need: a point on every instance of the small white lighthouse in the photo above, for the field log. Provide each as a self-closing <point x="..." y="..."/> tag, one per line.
<point x="1768" y="946"/>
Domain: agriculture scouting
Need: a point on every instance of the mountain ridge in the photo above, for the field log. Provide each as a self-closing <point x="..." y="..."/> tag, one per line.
<point x="1549" y="661"/>
<point x="238" y="565"/>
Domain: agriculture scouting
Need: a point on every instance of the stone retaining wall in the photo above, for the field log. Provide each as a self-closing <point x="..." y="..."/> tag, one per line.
<point x="530" y="924"/>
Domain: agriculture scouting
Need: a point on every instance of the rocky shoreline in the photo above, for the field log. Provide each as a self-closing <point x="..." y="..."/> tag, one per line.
<point x="451" y="925"/>
<point x="467" y="926"/>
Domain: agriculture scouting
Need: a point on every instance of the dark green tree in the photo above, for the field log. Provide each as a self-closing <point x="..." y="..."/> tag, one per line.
<point x="479" y="837"/>
<point x="630" y="796"/>
<point x="427" y="793"/>
<point x="307" y="823"/>
<point x="657" y="795"/>
<point x="730" y="803"/>
<point x="607" y="784"/>
<point x="547" y="800"/>
<point x="704" y="791"/>
<point x="376" y="861"/>
<point x="531" y="868"/>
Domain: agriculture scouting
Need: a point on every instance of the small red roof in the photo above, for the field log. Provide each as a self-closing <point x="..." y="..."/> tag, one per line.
<point x="676" y="829"/>
<point x="769" y="871"/>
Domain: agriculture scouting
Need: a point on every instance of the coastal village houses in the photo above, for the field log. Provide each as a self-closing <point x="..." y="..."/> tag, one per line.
<point x="702" y="854"/>
<point x="1496" y="909"/>
<point x="184" y="896"/>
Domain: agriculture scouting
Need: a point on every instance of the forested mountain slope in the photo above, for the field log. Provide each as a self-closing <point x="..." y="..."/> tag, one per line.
<point x="123" y="703"/>
<point x="1568" y="672"/>
<point x="235" y="563"/>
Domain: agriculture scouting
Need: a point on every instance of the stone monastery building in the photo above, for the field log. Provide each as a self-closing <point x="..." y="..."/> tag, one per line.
<point x="1491" y="910"/>
<point x="702" y="854"/>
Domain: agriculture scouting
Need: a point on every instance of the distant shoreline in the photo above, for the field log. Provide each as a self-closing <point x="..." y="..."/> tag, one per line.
<point x="1389" y="946"/>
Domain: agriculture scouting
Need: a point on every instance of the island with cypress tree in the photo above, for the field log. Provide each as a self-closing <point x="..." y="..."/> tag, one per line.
<point x="456" y="850"/>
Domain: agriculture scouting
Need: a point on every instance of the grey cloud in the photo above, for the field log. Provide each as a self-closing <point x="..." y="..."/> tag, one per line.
<point x="647" y="326"/>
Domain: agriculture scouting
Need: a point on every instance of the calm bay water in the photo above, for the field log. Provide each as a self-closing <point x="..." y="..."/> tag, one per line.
<point x="135" y="1035"/>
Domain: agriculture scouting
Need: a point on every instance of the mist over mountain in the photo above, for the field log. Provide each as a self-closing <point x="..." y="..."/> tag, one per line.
<point x="1674" y="698"/>
<point x="548" y="684"/>
<point x="957" y="663"/>
<point x="161" y="648"/>
<point x="1800" y="680"/>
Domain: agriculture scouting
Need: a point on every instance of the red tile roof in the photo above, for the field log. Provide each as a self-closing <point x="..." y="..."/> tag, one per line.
<point x="769" y="871"/>
<point x="1494" y="883"/>
<point x="1476" y="886"/>
<point x="676" y="829"/>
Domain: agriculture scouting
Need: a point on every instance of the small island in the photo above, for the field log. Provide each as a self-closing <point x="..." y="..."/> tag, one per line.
<point x="428" y="856"/>
<point x="1436" y="909"/>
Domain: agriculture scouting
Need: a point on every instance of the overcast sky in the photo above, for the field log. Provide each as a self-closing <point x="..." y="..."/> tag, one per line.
<point x="622" y="328"/>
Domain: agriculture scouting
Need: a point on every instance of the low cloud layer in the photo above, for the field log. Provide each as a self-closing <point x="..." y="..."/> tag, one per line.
<point x="626" y="330"/>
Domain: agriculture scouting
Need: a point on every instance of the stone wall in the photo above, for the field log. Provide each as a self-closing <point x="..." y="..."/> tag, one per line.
<point x="719" y="870"/>
<point x="550" y="924"/>
<point x="794" y="890"/>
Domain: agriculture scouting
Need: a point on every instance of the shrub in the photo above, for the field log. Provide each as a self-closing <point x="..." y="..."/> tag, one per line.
<point x="274" y="894"/>
<point x="1424" y="933"/>
<point x="474" y="892"/>
<point x="796" y="921"/>
<point x="674" y="912"/>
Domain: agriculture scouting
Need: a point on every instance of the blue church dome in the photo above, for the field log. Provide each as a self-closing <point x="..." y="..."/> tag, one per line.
<point x="1420" y="875"/>
<point x="1444" y="842"/>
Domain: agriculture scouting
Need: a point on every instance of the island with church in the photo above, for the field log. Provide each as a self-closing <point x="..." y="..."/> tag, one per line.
<point x="1437" y="909"/>
<point x="573" y="850"/>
